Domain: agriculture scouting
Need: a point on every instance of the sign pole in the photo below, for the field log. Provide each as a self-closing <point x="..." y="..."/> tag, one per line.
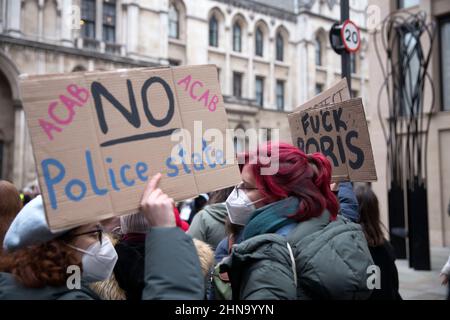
<point x="345" y="57"/>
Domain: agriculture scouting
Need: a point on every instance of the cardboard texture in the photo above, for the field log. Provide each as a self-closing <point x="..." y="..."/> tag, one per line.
<point x="98" y="137"/>
<point x="332" y="124"/>
<point x="338" y="92"/>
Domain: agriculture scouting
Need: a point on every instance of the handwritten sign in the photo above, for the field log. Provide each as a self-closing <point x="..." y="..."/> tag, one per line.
<point x="99" y="136"/>
<point x="336" y="126"/>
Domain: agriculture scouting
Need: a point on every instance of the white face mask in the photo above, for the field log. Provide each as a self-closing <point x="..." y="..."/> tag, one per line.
<point x="240" y="208"/>
<point x="98" y="260"/>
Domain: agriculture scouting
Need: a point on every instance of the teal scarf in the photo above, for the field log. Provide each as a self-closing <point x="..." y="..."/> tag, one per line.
<point x="271" y="217"/>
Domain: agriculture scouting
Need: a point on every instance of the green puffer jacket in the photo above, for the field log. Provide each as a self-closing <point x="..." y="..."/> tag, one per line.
<point x="330" y="260"/>
<point x="208" y="224"/>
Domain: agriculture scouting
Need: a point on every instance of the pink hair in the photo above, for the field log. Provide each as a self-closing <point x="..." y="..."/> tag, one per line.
<point x="306" y="177"/>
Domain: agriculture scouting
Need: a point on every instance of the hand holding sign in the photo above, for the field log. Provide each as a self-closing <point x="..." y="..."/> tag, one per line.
<point x="156" y="206"/>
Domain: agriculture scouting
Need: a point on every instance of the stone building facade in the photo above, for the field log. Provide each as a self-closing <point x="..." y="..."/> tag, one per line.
<point x="271" y="55"/>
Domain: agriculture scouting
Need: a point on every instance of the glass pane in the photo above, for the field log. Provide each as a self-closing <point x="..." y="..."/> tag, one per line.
<point x="213" y="32"/>
<point x="259" y="91"/>
<point x="280" y="95"/>
<point x="109" y="34"/>
<point x="88" y="10"/>
<point x="173" y="13"/>
<point x="237" y="37"/>
<point x="173" y="29"/>
<point x="109" y="14"/>
<point x="88" y="30"/>
<point x="259" y="43"/>
<point x="318" y="52"/>
<point x="237" y="83"/>
<point x="173" y="22"/>
<point x="408" y="3"/>
<point x="445" y="64"/>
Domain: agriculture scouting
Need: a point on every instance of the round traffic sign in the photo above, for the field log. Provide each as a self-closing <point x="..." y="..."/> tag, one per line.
<point x="350" y="35"/>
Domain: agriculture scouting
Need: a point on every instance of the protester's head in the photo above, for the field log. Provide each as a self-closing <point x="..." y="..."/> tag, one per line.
<point x="304" y="177"/>
<point x="38" y="257"/>
<point x="369" y="215"/>
<point x="220" y="196"/>
<point x="134" y="223"/>
<point x="25" y="197"/>
<point x="10" y="205"/>
<point x="112" y="227"/>
<point x="200" y="202"/>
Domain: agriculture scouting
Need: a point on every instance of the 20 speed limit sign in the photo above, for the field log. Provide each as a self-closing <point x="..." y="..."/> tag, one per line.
<point x="351" y="37"/>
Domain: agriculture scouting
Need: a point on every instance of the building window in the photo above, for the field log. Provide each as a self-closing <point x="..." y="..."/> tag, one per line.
<point x="407" y="3"/>
<point x="237" y="37"/>
<point x="88" y="19"/>
<point x="445" y="62"/>
<point x="174" y="22"/>
<point x="237" y="84"/>
<point x="318" y="51"/>
<point x="319" y="88"/>
<point x="259" y="91"/>
<point x="109" y="21"/>
<point x="353" y="63"/>
<point x="213" y="32"/>
<point x="259" y="42"/>
<point x="280" y="47"/>
<point x="280" y="95"/>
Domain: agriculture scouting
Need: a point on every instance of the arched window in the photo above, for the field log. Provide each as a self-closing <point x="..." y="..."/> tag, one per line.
<point x="174" y="22"/>
<point x="237" y="37"/>
<point x="213" y="32"/>
<point x="259" y="45"/>
<point x="318" y="49"/>
<point x="280" y="47"/>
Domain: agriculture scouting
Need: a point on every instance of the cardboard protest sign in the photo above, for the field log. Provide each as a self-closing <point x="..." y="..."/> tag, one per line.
<point x="336" y="93"/>
<point x="99" y="136"/>
<point x="339" y="131"/>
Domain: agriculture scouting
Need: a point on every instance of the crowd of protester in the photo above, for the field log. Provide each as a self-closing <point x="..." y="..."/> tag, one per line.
<point x="291" y="235"/>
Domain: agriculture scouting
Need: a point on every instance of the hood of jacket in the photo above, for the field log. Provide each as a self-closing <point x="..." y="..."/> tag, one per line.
<point x="217" y="211"/>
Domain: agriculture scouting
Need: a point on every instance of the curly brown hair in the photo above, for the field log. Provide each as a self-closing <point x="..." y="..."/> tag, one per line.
<point x="41" y="265"/>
